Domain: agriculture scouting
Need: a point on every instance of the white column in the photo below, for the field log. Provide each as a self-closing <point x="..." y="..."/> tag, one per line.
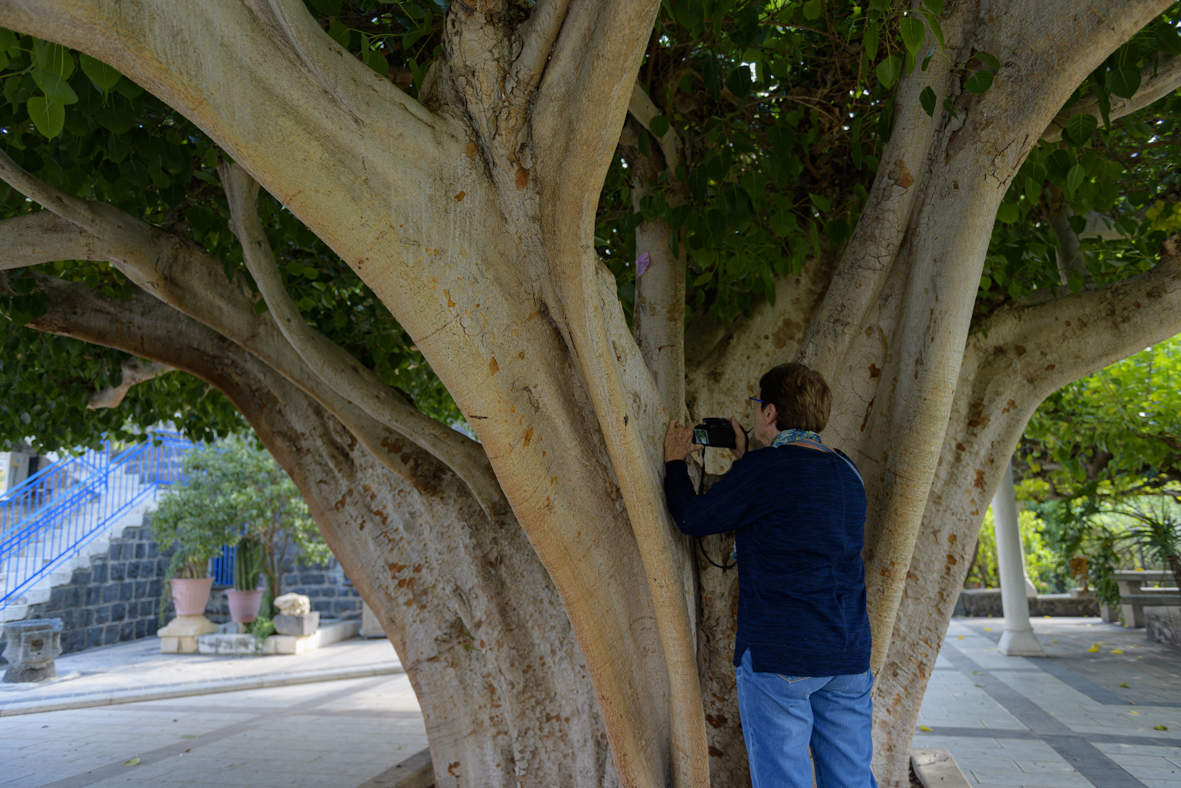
<point x="1018" y="639"/>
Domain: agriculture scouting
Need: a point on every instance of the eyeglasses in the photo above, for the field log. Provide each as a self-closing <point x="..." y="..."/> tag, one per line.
<point x="756" y="399"/>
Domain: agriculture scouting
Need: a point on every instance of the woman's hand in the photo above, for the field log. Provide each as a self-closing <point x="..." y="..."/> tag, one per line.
<point x="739" y="439"/>
<point x="678" y="442"/>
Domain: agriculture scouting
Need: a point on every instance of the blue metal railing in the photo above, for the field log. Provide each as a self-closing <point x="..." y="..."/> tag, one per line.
<point x="50" y="516"/>
<point x="222" y="567"/>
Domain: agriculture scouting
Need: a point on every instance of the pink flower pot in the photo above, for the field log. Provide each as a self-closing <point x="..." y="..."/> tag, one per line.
<point x="244" y="605"/>
<point x="191" y="595"/>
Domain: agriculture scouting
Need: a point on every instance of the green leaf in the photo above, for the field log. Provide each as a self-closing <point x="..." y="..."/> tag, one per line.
<point x="48" y="116"/>
<point x="889" y="70"/>
<point x="659" y="126"/>
<point x="1123" y="81"/>
<point x="7" y="39"/>
<point x="739" y="81"/>
<point x="928" y="99"/>
<point x="103" y="76"/>
<point x="131" y="761"/>
<point x="935" y="6"/>
<point x="339" y="33"/>
<point x="53" y="58"/>
<point x="689" y="13"/>
<point x="413" y="11"/>
<point x="1079" y="129"/>
<point x="260" y="306"/>
<point x="949" y="108"/>
<point x="870" y="40"/>
<point x="1168" y="40"/>
<point x="821" y="202"/>
<point x="1078" y="224"/>
<point x="989" y="60"/>
<point x="703" y="278"/>
<point x="979" y="82"/>
<point x="813" y="9"/>
<point x="913" y="33"/>
<point x="1008" y="213"/>
<point x="327" y="7"/>
<point x="1075" y="178"/>
<point x="936" y="28"/>
<point x="55" y="87"/>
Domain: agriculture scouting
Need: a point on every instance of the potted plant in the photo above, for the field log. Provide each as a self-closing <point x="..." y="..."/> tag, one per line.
<point x="245" y="597"/>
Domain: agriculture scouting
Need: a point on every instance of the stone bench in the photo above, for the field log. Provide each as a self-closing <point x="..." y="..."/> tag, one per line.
<point x="1163" y="625"/>
<point x="1132" y="605"/>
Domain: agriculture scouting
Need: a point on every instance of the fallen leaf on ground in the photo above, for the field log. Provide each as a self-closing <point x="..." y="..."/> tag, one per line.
<point x="1117" y="651"/>
<point x="988" y="629"/>
<point x="1094" y="649"/>
<point x="1055" y="640"/>
<point x="959" y="637"/>
<point x="1125" y="686"/>
<point x="188" y="736"/>
<point x="1134" y="712"/>
<point x="924" y="728"/>
<point x="132" y="762"/>
<point x="1160" y="727"/>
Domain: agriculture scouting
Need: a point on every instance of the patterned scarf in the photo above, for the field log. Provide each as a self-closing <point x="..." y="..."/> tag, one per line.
<point x="791" y="436"/>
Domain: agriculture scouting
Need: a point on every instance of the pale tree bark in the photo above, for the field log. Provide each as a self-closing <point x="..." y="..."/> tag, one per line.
<point x="1069" y="253"/>
<point x="1015" y="359"/>
<point x="135" y="371"/>
<point x="470" y="215"/>
<point x="1156" y="81"/>
<point x="472" y="613"/>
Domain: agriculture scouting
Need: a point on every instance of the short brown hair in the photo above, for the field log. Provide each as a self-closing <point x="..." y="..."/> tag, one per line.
<point x="800" y="395"/>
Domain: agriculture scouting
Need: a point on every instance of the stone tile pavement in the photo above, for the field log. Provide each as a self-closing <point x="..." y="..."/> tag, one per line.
<point x="138" y="671"/>
<point x="336" y="734"/>
<point x="1108" y="717"/>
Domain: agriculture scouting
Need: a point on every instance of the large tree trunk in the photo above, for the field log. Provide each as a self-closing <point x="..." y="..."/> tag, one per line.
<point x="470" y="215"/>
<point x="473" y="615"/>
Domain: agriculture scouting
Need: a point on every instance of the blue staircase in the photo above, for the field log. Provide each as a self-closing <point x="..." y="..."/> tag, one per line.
<point x="56" y="519"/>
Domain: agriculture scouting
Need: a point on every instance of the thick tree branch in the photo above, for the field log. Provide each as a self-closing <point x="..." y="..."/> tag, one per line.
<point x="337" y="367"/>
<point x="191" y="280"/>
<point x="1071" y="262"/>
<point x="40" y="237"/>
<point x="537" y="40"/>
<point x="643" y="110"/>
<point x="1156" y="82"/>
<point x="135" y="371"/>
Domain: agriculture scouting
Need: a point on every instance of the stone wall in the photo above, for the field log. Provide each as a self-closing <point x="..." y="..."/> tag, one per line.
<point x="113" y="600"/>
<point x="986" y="602"/>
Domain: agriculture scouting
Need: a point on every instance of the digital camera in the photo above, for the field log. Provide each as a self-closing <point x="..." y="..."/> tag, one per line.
<point x="715" y="433"/>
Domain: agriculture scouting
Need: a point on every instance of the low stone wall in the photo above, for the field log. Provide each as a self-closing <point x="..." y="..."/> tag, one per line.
<point x="984" y="602"/>
<point x="329" y="591"/>
<point x="1163" y="625"/>
<point x="112" y="601"/>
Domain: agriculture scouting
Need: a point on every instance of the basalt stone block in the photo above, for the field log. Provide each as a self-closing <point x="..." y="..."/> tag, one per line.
<point x="102" y="615"/>
<point x="118" y="611"/>
<point x="94" y="637"/>
<point x="299" y="626"/>
<point x="98" y="572"/>
<point x="117" y="570"/>
<point x="32" y="647"/>
<point x="141" y="550"/>
<point x="141" y="589"/>
<point x="126" y="591"/>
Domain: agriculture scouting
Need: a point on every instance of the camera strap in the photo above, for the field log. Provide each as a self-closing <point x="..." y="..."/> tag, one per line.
<point x="700" y="545"/>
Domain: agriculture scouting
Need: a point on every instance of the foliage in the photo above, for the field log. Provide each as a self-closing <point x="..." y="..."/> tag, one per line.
<point x="1157" y="529"/>
<point x="783" y="108"/>
<point x="1043" y="564"/>
<point x="248" y="557"/>
<point x="234" y="489"/>
<point x="262" y="628"/>
<point x="1113" y="433"/>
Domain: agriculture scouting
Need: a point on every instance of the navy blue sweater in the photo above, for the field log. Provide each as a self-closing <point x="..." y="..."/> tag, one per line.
<point x="799" y="520"/>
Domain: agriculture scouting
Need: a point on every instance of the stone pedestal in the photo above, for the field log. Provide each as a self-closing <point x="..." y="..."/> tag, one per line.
<point x="297" y="626"/>
<point x="180" y="636"/>
<point x="32" y="648"/>
<point x="1163" y="625"/>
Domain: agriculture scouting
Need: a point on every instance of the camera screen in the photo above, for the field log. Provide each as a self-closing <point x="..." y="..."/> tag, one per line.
<point x="701" y="436"/>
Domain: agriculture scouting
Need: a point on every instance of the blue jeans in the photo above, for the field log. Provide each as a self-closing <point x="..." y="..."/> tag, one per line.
<point x="783" y="715"/>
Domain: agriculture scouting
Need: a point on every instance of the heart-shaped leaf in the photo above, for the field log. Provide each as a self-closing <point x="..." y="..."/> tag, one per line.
<point x="103" y="76"/>
<point x="659" y="125"/>
<point x="889" y="70"/>
<point x="979" y="82"/>
<point x="55" y="87"/>
<point x="48" y="116"/>
<point x="1079" y="129"/>
<point x="913" y="33"/>
<point x="1123" y="81"/>
<point x="928" y="99"/>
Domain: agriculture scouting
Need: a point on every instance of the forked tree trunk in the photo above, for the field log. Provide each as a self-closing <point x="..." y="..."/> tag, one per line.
<point x="470" y="215"/>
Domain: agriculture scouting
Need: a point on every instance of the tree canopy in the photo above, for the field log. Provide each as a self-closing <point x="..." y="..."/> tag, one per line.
<point x="782" y="109"/>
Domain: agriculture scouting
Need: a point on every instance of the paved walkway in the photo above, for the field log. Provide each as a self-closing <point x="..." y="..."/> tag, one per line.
<point x="1109" y="718"/>
<point x="309" y="731"/>
<point x="137" y="671"/>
